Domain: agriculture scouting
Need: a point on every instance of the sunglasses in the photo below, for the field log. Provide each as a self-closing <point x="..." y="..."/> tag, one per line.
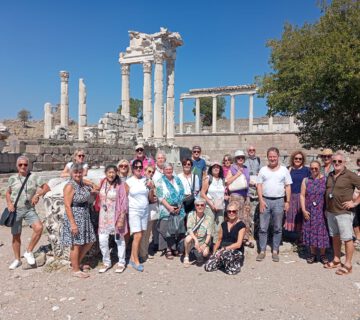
<point x="22" y="165"/>
<point x="199" y="205"/>
<point x="196" y="151"/>
<point x="337" y="161"/>
<point x="150" y="171"/>
<point x="326" y="157"/>
<point x="314" y="169"/>
<point x="298" y="159"/>
<point x="187" y="165"/>
<point x="81" y="155"/>
<point x="252" y="150"/>
<point x="139" y="150"/>
<point x="231" y="211"/>
<point x="238" y="158"/>
<point x="123" y="166"/>
<point x="226" y="160"/>
<point x="138" y="167"/>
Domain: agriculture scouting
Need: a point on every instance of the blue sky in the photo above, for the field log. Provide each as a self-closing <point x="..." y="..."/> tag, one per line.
<point x="224" y="44"/>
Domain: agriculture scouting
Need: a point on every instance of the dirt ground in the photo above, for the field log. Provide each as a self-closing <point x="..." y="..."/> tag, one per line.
<point x="290" y="289"/>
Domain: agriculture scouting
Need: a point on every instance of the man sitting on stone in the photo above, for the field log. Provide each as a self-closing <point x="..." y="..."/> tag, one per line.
<point x="140" y="155"/>
<point x="33" y="189"/>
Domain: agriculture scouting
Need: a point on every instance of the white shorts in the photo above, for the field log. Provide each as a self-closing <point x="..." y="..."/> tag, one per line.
<point x="138" y="220"/>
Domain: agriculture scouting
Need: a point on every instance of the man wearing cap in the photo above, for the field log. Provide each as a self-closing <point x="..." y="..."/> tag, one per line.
<point x="273" y="183"/>
<point x="140" y="155"/>
<point x="199" y="164"/>
<point x="340" y="205"/>
<point x="327" y="166"/>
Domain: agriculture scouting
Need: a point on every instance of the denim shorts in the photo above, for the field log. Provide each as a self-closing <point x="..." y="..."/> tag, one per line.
<point x="340" y="225"/>
<point x="28" y="214"/>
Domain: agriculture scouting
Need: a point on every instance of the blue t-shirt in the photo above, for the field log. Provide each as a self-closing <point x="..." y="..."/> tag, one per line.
<point x="297" y="176"/>
<point x="199" y="166"/>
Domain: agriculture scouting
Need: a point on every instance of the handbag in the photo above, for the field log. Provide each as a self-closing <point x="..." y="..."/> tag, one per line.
<point x="189" y="201"/>
<point x="8" y="218"/>
<point x="176" y="225"/>
<point x="238" y="184"/>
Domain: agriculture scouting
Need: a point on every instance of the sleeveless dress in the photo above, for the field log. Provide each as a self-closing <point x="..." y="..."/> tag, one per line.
<point x="86" y="232"/>
<point x="315" y="232"/>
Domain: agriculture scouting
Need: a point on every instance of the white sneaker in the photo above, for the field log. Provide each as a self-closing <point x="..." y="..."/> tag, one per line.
<point x="120" y="268"/>
<point x="15" y="264"/>
<point x="29" y="256"/>
<point x="104" y="268"/>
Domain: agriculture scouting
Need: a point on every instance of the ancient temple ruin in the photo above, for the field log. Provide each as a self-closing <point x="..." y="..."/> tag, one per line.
<point x="149" y="49"/>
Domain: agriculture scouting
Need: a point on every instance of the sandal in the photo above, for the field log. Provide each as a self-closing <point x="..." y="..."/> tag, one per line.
<point x="85" y="267"/>
<point x="80" y="274"/>
<point x="333" y="264"/>
<point x="169" y="255"/>
<point x="343" y="270"/>
<point x="323" y="259"/>
<point x="311" y="258"/>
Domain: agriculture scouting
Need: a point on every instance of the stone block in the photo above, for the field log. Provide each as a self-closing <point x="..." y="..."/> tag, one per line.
<point x="36" y="149"/>
<point x="39" y="158"/>
<point x="40" y="259"/>
<point x="47" y="157"/>
<point x="64" y="150"/>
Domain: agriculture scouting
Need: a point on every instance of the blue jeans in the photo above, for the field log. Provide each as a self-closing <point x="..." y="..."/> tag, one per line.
<point x="275" y="210"/>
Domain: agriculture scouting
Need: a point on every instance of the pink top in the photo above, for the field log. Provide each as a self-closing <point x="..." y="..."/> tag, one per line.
<point x="122" y="209"/>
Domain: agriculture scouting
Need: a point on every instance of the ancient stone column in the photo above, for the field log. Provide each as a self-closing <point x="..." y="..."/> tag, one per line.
<point x="251" y="113"/>
<point x="270" y="126"/>
<point x="147" y="104"/>
<point x="82" y="110"/>
<point x="47" y="120"/>
<point x="232" y="113"/>
<point x="125" y="90"/>
<point x="170" y="101"/>
<point x="64" y="99"/>
<point x="214" y="114"/>
<point x="158" y="99"/>
<point x="197" y="116"/>
<point x="181" y="117"/>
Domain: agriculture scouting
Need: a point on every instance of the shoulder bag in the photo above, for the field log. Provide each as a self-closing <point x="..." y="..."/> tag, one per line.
<point x="238" y="184"/>
<point x="190" y="199"/>
<point x="8" y="218"/>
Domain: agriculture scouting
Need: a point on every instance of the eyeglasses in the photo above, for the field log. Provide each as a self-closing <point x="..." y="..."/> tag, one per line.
<point x="298" y="158"/>
<point x="81" y="155"/>
<point x="199" y="205"/>
<point x="196" y="151"/>
<point x="138" y="167"/>
<point x="231" y="211"/>
<point x="140" y="150"/>
<point x="22" y="165"/>
<point x="326" y="157"/>
<point x="252" y="150"/>
<point x="150" y="171"/>
<point x="238" y="158"/>
<point x="337" y="161"/>
<point x="226" y="160"/>
<point x="187" y="165"/>
<point x="314" y="169"/>
<point x="123" y="166"/>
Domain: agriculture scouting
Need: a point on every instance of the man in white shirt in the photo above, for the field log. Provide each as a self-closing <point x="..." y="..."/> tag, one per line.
<point x="274" y="182"/>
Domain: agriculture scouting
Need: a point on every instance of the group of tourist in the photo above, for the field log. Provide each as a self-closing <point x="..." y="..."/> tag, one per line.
<point x="203" y="215"/>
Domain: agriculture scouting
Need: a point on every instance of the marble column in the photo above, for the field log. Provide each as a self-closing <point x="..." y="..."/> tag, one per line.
<point x="170" y="101"/>
<point x="47" y="120"/>
<point x="64" y="99"/>
<point x="197" y="115"/>
<point x="214" y="114"/>
<point x="82" y="110"/>
<point x="251" y="113"/>
<point x="270" y="126"/>
<point x="125" y="90"/>
<point x="181" y="116"/>
<point x="158" y="99"/>
<point x="147" y="104"/>
<point x="232" y="113"/>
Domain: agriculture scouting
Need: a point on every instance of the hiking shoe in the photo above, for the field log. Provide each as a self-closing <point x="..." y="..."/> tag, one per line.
<point x="29" y="256"/>
<point x="15" y="264"/>
<point x="275" y="257"/>
<point x="260" y="256"/>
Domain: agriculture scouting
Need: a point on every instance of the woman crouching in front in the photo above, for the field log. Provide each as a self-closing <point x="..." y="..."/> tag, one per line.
<point x="78" y="232"/>
<point x="228" y="250"/>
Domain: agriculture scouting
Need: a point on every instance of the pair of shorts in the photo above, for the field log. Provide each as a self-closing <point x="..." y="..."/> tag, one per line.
<point x="138" y="220"/>
<point x="28" y="214"/>
<point x="340" y="225"/>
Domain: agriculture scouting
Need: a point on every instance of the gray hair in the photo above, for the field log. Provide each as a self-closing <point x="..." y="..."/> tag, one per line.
<point x="339" y="154"/>
<point x="199" y="200"/>
<point x="22" y="158"/>
<point x="159" y="153"/>
<point x="167" y="165"/>
<point x="76" y="167"/>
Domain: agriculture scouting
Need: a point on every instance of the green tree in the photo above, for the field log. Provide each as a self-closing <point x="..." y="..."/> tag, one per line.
<point x="316" y="77"/>
<point x="136" y="109"/>
<point x="24" y="116"/>
<point x="206" y="109"/>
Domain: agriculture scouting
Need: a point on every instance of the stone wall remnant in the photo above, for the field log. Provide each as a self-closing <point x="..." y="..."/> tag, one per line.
<point x="82" y="110"/>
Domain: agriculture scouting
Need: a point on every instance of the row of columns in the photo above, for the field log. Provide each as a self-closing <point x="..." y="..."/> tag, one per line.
<point x="153" y="124"/>
<point x="214" y="114"/>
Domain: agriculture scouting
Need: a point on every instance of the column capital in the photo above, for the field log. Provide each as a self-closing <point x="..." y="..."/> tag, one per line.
<point x="125" y="69"/>
<point x="64" y="75"/>
<point x="147" y="67"/>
